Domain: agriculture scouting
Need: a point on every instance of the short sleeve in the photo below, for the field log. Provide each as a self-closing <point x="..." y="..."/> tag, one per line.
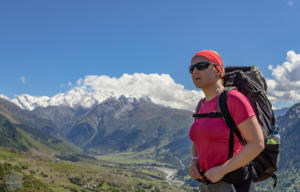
<point x="239" y="107"/>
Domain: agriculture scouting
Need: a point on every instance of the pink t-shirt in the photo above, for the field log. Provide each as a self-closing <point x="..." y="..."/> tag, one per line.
<point x="211" y="135"/>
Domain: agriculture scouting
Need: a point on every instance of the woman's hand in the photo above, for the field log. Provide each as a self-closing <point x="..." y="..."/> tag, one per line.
<point x="251" y="131"/>
<point x="194" y="171"/>
<point x="215" y="174"/>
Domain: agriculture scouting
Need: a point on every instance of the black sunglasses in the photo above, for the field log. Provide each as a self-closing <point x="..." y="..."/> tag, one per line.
<point x="199" y="66"/>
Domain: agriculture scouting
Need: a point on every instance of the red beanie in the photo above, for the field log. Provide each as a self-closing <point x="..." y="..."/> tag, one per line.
<point x="213" y="57"/>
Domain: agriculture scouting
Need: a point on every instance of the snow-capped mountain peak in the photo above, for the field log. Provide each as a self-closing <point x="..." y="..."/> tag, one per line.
<point x="75" y="97"/>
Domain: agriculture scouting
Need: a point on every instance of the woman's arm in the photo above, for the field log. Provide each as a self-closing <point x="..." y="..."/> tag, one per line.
<point x="194" y="151"/>
<point x="251" y="131"/>
<point x="194" y="171"/>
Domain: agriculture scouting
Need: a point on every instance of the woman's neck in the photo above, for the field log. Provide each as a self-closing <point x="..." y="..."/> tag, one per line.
<point x="213" y="90"/>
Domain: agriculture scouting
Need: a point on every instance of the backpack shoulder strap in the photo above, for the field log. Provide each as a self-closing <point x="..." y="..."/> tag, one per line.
<point x="223" y="108"/>
<point x="199" y="105"/>
<point x="201" y="115"/>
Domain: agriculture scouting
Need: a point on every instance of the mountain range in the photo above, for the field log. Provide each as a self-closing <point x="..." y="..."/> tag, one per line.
<point x="115" y="125"/>
<point x="76" y="97"/>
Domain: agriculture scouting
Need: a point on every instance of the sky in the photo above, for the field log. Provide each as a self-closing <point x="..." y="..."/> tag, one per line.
<point x="49" y="47"/>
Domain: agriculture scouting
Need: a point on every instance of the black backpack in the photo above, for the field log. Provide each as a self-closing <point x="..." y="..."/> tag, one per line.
<point x="250" y="82"/>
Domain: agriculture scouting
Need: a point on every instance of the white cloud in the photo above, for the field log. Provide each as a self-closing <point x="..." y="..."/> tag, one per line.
<point x="70" y="84"/>
<point x="290" y="3"/>
<point x="160" y="88"/>
<point x="23" y="79"/>
<point x="286" y="83"/>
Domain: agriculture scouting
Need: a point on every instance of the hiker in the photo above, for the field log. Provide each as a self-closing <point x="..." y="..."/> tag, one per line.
<point x="210" y="136"/>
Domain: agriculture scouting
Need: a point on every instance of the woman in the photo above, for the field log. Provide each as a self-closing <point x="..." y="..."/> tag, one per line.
<point x="210" y="136"/>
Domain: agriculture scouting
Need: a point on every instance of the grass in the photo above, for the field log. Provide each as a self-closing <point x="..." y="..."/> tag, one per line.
<point x="9" y="154"/>
<point x="58" y="188"/>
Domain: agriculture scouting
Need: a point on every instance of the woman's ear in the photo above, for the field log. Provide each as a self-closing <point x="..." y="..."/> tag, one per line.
<point x="216" y="72"/>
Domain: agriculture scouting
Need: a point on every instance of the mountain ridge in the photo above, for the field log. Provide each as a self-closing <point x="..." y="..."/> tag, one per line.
<point x="76" y="97"/>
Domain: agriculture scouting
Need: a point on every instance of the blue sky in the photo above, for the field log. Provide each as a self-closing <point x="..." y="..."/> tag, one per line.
<point x="46" y="45"/>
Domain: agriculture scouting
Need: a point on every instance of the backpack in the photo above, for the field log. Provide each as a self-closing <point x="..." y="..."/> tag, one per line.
<point x="250" y="82"/>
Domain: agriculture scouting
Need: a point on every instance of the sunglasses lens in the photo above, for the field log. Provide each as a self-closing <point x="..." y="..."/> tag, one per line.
<point x="199" y="66"/>
<point x="192" y="68"/>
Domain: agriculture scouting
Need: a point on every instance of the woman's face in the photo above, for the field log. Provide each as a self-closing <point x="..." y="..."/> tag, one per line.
<point x="205" y="77"/>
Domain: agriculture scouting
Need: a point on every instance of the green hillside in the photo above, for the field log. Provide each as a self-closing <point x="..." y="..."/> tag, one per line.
<point x="86" y="175"/>
<point x="12" y="178"/>
<point x="32" y="139"/>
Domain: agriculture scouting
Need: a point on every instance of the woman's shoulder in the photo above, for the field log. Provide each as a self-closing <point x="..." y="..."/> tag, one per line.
<point x="239" y="106"/>
<point x="235" y="94"/>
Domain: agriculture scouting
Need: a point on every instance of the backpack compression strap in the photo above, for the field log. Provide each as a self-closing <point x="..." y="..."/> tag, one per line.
<point x="211" y="115"/>
<point x="223" y="108"/>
